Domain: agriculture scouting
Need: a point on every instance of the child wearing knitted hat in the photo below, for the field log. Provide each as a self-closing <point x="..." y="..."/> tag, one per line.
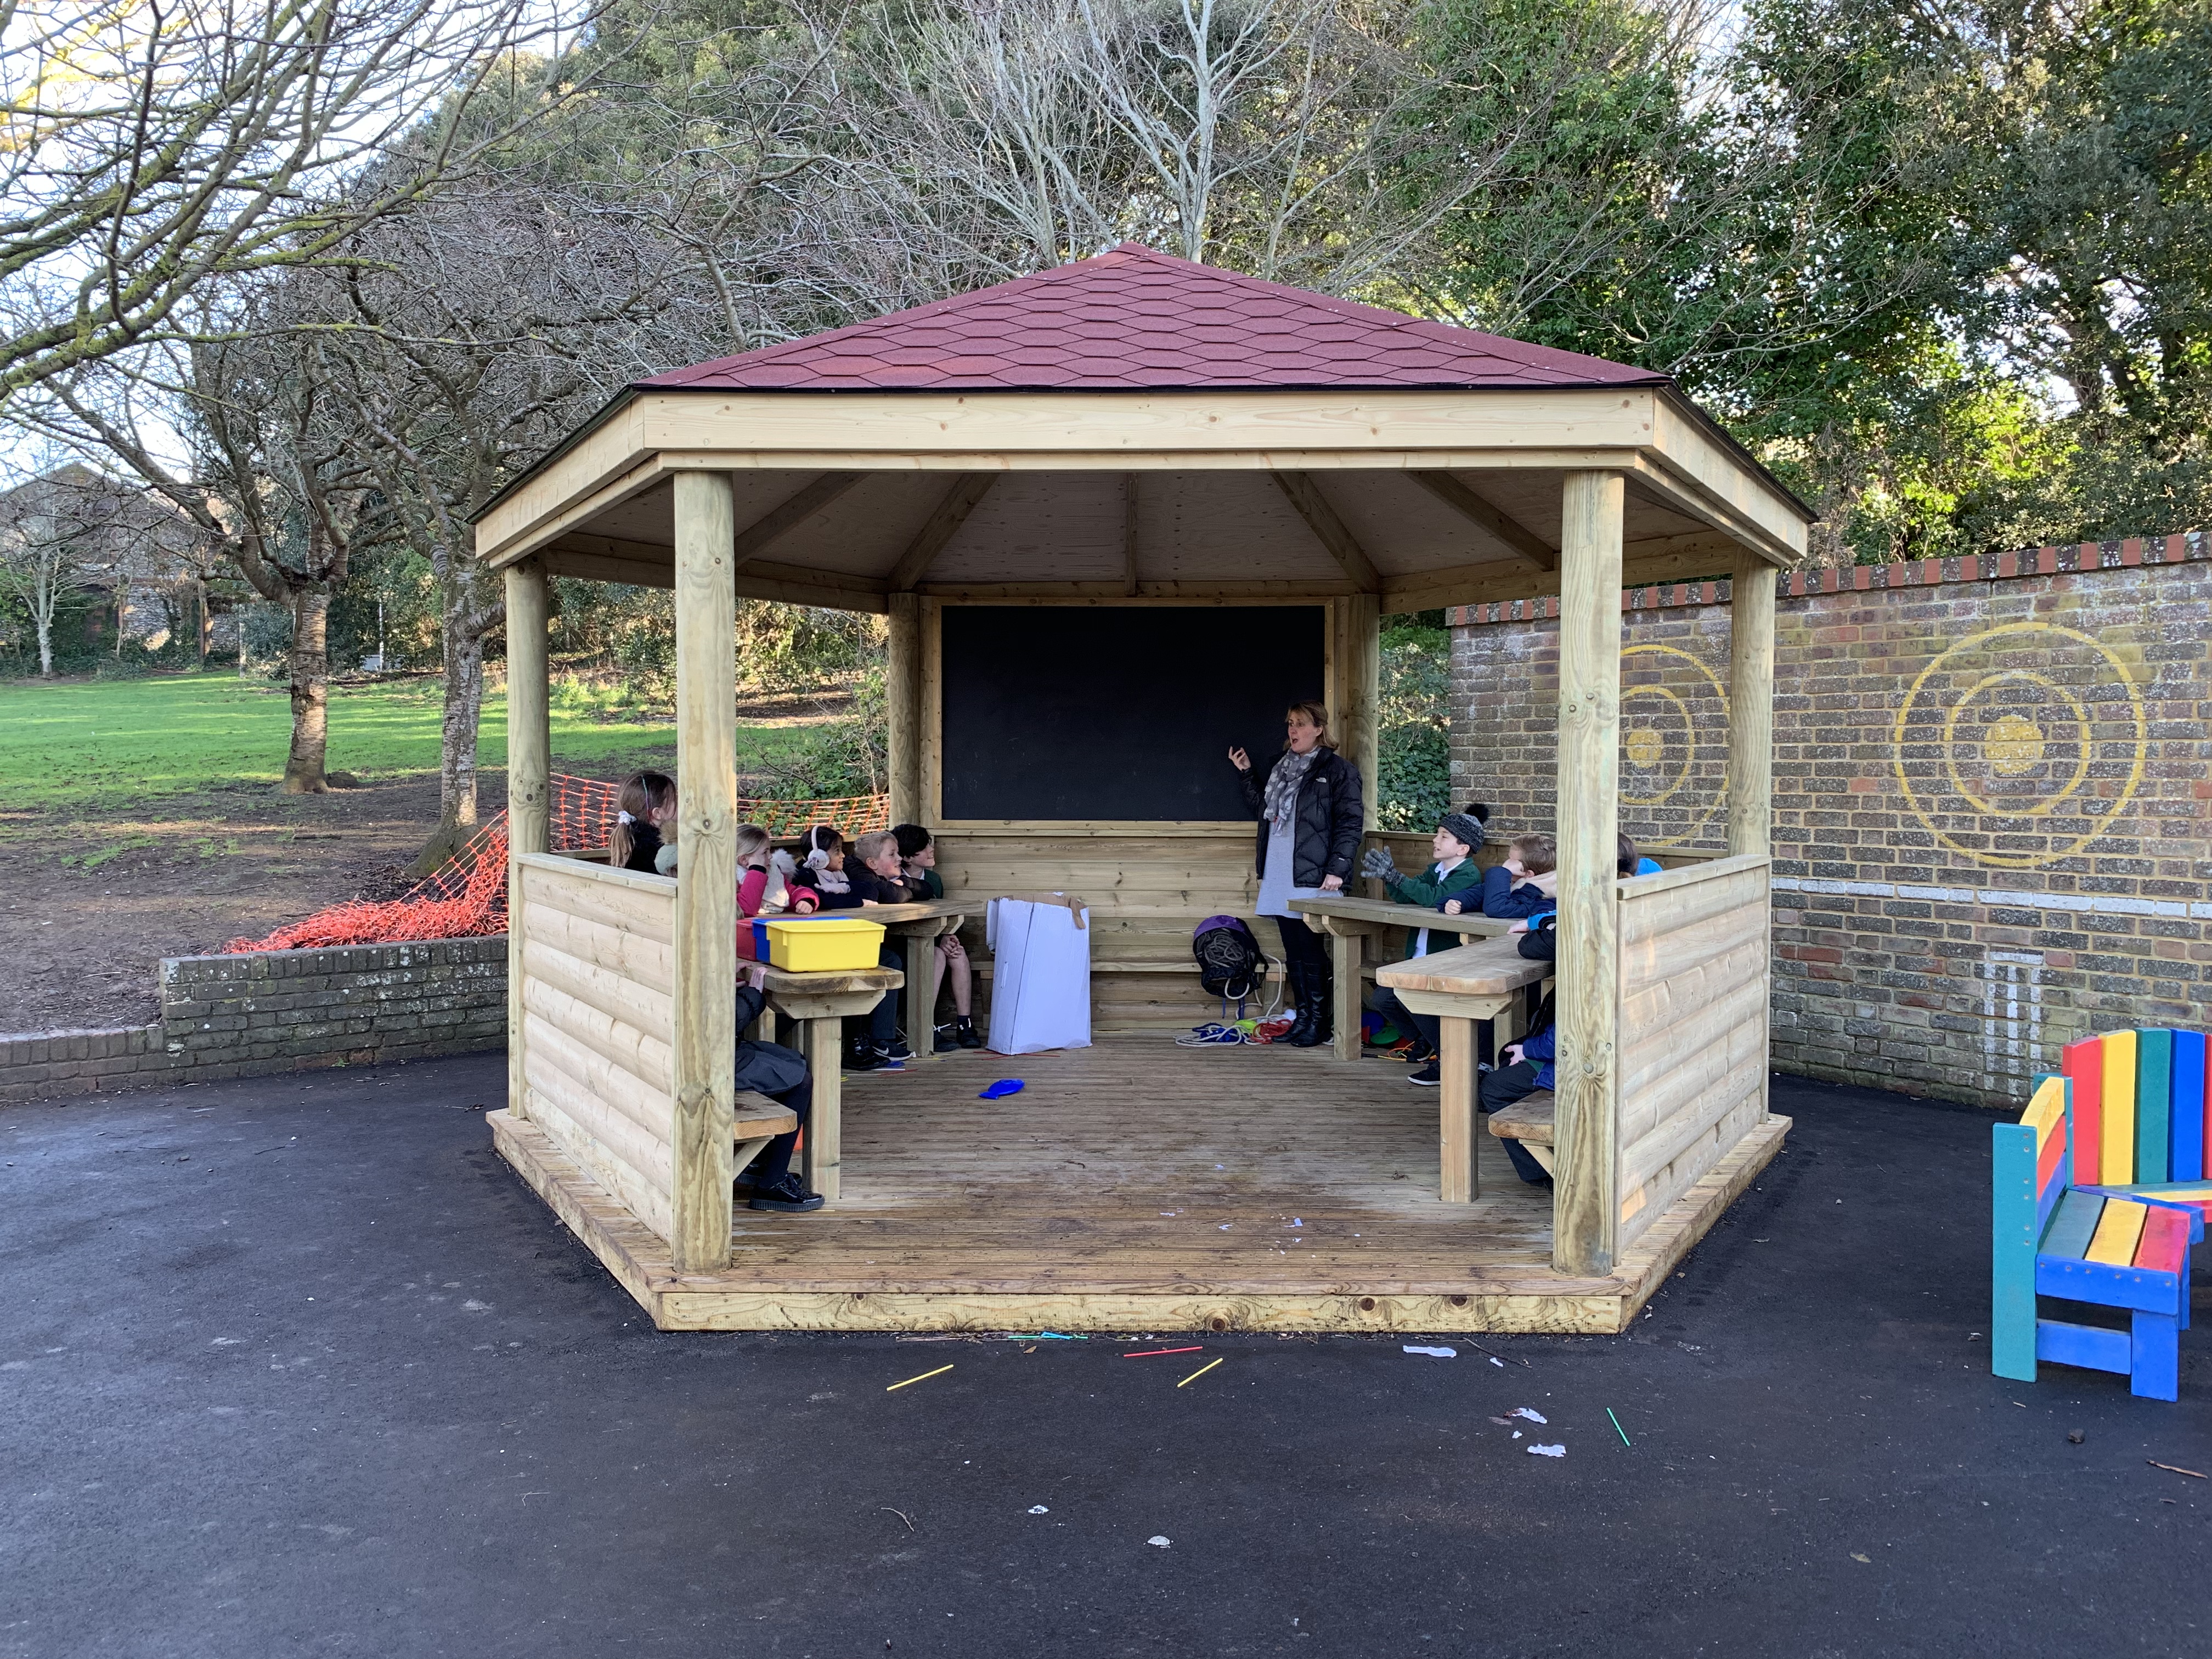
<point x="1452" y="877"/>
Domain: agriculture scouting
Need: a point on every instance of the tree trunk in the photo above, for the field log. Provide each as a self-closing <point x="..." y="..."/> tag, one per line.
<point x="310" y="692"/>
<point x="457" y="744"/>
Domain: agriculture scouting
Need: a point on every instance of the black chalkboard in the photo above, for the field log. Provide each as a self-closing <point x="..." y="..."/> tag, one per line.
<point x="1102" y="712"/>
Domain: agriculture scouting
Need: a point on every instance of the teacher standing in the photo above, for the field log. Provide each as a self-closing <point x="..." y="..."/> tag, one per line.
<point x="1307" y="800"/>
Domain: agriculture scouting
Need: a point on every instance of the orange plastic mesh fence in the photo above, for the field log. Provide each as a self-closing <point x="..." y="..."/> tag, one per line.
<point x="468" y="898"/>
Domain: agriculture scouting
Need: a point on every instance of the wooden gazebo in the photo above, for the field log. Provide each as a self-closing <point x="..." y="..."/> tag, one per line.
<point x="1081" y="499"/>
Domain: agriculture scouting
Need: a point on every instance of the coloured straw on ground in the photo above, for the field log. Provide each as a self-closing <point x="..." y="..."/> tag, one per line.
<point x="2131" y="1103"/>
<point x="468" y="898"/>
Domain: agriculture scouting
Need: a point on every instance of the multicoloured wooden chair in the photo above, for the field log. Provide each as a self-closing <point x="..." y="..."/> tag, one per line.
<point x="2097" y="1192"/>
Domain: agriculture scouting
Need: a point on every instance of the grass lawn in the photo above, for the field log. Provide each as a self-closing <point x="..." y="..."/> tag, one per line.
<point x="91" y="742"/>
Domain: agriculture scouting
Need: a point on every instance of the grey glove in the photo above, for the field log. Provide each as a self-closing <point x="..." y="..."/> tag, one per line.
<point x="1378" y="862"/>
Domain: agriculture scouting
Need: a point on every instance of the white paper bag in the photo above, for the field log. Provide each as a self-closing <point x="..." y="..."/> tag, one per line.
<point x="1040" y="977"/>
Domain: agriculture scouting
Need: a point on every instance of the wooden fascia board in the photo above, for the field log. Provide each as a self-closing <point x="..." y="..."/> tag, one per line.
<point x="885" y="427"/>
<point x="1725" y="489"/>
<point x="1633" y="430"/>
<point x="647" y="564"/>
<point x="607" y="465"/>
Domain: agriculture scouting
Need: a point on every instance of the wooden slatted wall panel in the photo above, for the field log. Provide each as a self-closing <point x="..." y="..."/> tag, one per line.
<point x="1692" y="1033"/>
<point x="1146" y="891"/>
<point x="598" y="1024"/>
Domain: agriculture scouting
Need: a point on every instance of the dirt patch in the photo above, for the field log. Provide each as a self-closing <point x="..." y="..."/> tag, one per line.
<point x="91" y="902"/>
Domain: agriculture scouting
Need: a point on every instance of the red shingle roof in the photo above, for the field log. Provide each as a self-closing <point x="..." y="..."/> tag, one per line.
<point x="1134" y="319"/>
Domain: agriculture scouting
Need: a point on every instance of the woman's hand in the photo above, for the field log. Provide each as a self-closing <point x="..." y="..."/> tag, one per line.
<point x="1240" y="760"/>
<point x="1332" y="884"/>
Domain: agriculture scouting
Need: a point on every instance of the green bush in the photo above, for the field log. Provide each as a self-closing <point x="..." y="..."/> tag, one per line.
<point x="1412" y="782"/>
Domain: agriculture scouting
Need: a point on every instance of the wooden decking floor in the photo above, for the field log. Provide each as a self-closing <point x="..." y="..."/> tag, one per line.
<point x="1134" y="1185"/>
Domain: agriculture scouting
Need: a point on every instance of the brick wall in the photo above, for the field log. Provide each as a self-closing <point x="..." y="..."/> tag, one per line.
<point x="280" y="1011"/>
<point x="1993" y="805"/>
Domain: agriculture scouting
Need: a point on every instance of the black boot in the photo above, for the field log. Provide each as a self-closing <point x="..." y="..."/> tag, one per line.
<point x="1315" y="1012"/>
<point x="1294" y="991"/>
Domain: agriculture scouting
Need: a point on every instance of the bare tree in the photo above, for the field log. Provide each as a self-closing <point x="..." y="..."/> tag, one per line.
<point x="155" y="146"/>
<point x="273" y="477"/>
<point x="476" y="333"/>
<point x="41" y="557"/>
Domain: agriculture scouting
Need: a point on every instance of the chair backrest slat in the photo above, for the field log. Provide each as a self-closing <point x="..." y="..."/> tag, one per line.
<point x="2084" y="1064"/>
<point x="2190" y="1109"/>
<point x="2116" y="1160"/>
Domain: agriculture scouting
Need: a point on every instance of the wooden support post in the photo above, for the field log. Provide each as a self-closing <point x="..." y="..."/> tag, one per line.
<point x="825" y="1129"/>
<point x="1359" y="644"/>
<point x="1585" y="1202"/>
<point x="1131" y="541"/>
<point x="1461" y="1183"/>
<point x="706" y="889"/>
<point x="902" y="689"/>
<point x="1751" y="707"/>
<point x="1751" y="724"/>
<point x="1347" y="955"/>
<point x="529" y="773"/>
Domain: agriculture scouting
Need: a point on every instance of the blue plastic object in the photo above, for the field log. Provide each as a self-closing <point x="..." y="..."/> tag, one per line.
<point x="1001" y="1089"/>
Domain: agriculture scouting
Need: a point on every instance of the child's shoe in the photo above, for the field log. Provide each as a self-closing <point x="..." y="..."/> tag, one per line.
<point x="895" y="1052"/>
<point x="788" y="1195"/>
<point x="963" y="1028"/>
<point x="945" y="1040"/>
<point x="861" y="1056"/>
<point x="1430" y="1076"/>
<point x="884" y="1060"/>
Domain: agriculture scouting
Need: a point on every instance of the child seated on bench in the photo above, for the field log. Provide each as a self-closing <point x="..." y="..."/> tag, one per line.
<point x="1454" y="873"/>
<point x="918" y="860"/>
<point x="1528" y="1068"/>
<point x="1523" y="885"/>
<point x="771" y="1069"/>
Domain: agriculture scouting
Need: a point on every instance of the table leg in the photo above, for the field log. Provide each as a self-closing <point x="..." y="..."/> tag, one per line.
<point x="1456" y="1107"/>
<point x="1345" y="949"/>
<point x="825" y="1126"/>
<point x="920" y="1008"/>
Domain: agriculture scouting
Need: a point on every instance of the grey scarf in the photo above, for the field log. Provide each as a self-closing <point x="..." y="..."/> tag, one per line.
<point x="1283" y="783"/>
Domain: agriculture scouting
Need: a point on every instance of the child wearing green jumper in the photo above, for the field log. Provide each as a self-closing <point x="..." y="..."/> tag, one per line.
<point x="1452" y="876"/>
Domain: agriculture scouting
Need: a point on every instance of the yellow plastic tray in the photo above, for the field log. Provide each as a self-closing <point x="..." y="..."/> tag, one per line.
<point x="825" y="945"/>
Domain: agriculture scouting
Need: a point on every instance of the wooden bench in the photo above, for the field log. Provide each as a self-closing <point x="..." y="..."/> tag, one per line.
<point x="1528" y="1120"/>
<point x="2131" y="1103"/>
<point x="1482" y="981"/>
<point x="760" y="1121"/>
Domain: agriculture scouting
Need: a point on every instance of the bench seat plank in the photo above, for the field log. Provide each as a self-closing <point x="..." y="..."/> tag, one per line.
<point x="1491" y="967"/>
<point x="1528" y="1119"/>
<point x="760" y="1118"/>
<point x="2073" y="1226"/>
<point x="2165" y="1246"/>
<point x="2118" y="1230"/>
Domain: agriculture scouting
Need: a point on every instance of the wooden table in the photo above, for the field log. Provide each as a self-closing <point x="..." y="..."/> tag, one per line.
<point x="918" y="926"/>
<point x="819" y="1003"/>
<point x="1351" y="922"/>
<point x="1460" y="986"/>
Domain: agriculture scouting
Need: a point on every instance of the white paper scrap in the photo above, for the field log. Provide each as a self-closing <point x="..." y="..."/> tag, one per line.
<point x="1523" y="1411"/>
<point x="1434" y="1354"/>
<point x="1497" y="1362"/>
<point x="1039" y="1509"/>
<point x="1159" y="1539"/>
<point x="1547" y="1451"/>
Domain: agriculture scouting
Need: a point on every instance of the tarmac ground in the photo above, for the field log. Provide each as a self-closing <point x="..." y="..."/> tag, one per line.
<point x="295" y="1366"/>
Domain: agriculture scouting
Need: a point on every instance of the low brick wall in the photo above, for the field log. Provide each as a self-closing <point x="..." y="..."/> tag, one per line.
<point x="280" y="1011"/>
<point x="1992" y="793"/>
